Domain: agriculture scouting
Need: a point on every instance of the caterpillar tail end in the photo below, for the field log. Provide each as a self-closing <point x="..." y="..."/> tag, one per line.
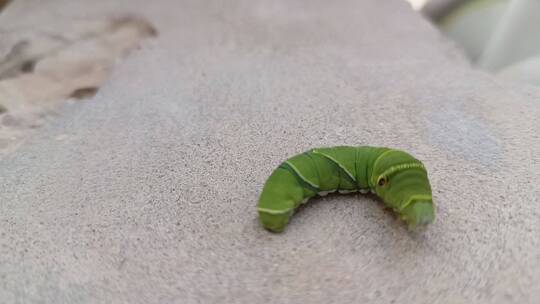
<point x="273" y="221"/>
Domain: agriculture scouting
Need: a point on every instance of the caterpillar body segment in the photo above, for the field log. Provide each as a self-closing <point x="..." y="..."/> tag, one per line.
<point x="399" y="179"/>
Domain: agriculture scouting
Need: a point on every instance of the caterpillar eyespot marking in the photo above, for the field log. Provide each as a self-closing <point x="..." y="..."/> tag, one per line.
<point x="395" y="176"/>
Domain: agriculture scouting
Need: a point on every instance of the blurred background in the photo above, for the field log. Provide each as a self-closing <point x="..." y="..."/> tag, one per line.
<point x="500" y="36"/>
<point x="45" y="65"/>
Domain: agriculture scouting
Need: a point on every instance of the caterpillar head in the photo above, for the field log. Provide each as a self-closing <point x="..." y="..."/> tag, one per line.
<point x="401" y="181"/>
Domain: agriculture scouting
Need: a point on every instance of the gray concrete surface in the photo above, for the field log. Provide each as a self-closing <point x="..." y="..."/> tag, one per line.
<point x="150" y="195"/>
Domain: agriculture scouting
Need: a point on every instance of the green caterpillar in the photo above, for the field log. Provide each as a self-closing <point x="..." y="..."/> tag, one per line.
<point x="399" y="179"/>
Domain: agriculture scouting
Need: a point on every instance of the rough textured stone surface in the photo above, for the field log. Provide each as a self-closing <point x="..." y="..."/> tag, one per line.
<point x="146" y="193"/>
<point x="46" y="64"/>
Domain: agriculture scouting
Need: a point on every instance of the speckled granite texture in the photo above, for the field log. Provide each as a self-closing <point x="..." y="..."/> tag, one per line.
<point x="146" y="193"/>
